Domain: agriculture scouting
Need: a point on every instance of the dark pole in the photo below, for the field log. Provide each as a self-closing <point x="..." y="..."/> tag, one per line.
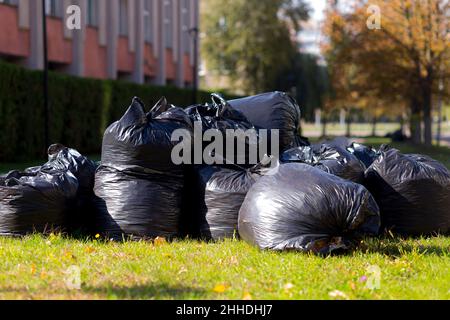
<point x="194" y="32"/>
<point x="439" y="128"/>
<point x="45" y="80"/>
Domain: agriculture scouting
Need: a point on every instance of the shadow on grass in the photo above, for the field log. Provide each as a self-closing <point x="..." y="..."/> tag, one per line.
<point x="149" y="291"/>
<point x="396" y="248"/>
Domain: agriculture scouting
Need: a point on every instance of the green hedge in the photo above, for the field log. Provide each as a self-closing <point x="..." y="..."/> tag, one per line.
<point x="80" y="109"/>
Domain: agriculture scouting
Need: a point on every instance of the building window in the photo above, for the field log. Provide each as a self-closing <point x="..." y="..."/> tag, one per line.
<point x="168" y="23"/>
<point x="10" y="2"/>
<point x="148" y="23"/>
<point x="185" y="20"/>
<point x="92" y="13"/>
<point x="123" y="17"/>
<point x="54" y="8"/>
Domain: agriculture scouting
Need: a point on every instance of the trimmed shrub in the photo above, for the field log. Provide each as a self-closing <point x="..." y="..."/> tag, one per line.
<point x="80" y="109"/>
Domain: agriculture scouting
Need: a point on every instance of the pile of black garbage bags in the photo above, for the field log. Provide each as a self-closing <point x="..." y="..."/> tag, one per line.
<point x="291" y="196"/>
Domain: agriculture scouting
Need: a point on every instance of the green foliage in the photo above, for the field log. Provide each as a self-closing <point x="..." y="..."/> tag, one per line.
<point x="250" y="40"/>
<point x="80" y="109"/>
<point x="310" y="81"/>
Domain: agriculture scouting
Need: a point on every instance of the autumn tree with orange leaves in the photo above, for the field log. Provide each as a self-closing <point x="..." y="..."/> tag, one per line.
<point x="405" y="62"/>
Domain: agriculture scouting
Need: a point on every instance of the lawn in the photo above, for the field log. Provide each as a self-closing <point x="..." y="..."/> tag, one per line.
<point x="361" y="129"/>
<point x="38" y="267"/>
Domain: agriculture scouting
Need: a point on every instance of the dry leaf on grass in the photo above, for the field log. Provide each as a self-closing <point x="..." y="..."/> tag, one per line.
<point x="337" y="294"/>
<point x="247" y="296"/>
<point x="159" y="241"/>
<point x="220" y="288"/>
<point x="288" y="286"/>
<point x="33" y="269"/>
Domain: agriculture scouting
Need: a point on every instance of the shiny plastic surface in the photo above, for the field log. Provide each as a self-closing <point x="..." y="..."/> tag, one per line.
<point x="412" y="191"/>
<point x="306" y="209"/>
<point x="274" y="110"/>
<point x="138" y="188"/>
<point x="331" y="158"/>
<point x="50" y="196"/>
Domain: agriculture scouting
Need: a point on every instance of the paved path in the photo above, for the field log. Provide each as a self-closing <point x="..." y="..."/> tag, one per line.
<point x="445" y="140"/>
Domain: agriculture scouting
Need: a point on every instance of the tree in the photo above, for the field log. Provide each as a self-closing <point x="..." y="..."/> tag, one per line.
<point x="307" y="80"/>
<point x="404" y="59"/>
<point x="250" y="41"/>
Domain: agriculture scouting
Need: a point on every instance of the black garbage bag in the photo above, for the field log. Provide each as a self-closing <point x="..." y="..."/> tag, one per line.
<point x="305" y="154"/>
<point x="338" y="161"/>
<point x="67" y="159"/>
<point x="365" y="154"/>
<point x="220" y="117"/>
<point x="142" y="139"/>
<point x="36" y="200"/>
<point x="57" y="194"/>
<point x="138" y="186"/>
<point x="331" y="158"/>
<point x="274" y="110"/>
<point x="342" y="142"/>
<point x="397" y="136"/>
<point x="221" y="192"/>
<point x="303" y="208"/>
<point x="412" y="191"/>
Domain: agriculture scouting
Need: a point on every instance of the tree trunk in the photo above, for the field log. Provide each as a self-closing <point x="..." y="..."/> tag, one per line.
<point x="415" y="122"/>
<point x="349" y="123"/>
<point x="428" y="132"/>
<point x="374" y="126"/>
<point x="427" y="117"/>
<point x="324" y="125"/>
<point x="402" y="122"/>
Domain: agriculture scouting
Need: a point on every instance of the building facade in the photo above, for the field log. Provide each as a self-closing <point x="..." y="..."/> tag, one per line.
<point x="144" y="41"/>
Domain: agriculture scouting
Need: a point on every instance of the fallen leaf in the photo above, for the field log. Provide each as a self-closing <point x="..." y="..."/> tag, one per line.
<point x="337" y="294"/>
<point x="182" y="270"/>
<point x="89" y="249"/>
<point x="33" y="269"/>
<point x="288" y="286"/>
<point x="159" y="241"/>
<point x="69" y="255"/>
<point x="220" y="288"/>
<point x="247" y="296"/>
<point x="119" y="254"/>
<point x="234" y="260"/>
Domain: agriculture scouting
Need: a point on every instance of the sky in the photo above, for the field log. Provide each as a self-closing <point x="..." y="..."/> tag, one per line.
<point x="318" y="6"/>
<point x="310" y="37"/>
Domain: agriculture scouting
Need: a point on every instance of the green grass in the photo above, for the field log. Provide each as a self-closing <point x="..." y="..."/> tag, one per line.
<point x="361" y="129"/>
<point x="35" y="267"/>
<point x="357" y="129"/>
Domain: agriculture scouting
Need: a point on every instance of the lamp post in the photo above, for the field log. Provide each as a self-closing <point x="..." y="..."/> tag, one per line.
<point x="194" y="33"/>
<point x="439" y="128"/>
<point x="45" y="77"/>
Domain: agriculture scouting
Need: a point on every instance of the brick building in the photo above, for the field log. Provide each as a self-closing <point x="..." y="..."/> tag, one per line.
<point x="144" y="41"/>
